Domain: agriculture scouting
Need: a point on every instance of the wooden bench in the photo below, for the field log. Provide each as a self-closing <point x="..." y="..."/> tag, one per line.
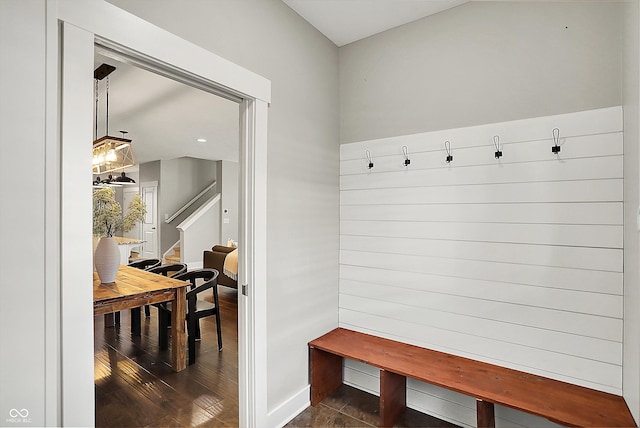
<point x="560" y="402"/>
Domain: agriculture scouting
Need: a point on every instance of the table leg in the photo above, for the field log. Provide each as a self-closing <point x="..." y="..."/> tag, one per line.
<point x="109" y="320"/>
<point x="178" y="330"/>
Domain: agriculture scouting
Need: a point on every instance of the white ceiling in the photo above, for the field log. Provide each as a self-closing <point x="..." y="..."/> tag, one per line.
<point x="165" y="118"/>
<point x="345" y="21"/>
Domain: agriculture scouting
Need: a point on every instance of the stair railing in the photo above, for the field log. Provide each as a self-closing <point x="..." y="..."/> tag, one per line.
<point x="191" y="202"/>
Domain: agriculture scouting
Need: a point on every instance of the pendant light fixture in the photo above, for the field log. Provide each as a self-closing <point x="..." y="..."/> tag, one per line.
<point x="122" y="178"/>
<point x="109" y="153"/>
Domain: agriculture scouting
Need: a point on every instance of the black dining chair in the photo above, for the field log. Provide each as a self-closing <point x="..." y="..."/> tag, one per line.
<point x="166" y="270"/>
<point x="135" y="312"/>
<point x="146" y="264"/>
<point x="170" y="270"/>
<point x="196" y="309"/>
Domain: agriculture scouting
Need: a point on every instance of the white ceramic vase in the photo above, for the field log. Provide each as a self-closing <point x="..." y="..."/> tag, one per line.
<point x="107" y="259"/>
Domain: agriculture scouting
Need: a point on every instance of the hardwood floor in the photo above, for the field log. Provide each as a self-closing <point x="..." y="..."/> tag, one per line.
<point x="135" y="386"/>
<point x="351" y="407"/>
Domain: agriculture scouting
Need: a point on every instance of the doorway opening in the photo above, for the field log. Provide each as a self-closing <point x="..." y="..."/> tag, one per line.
<point x="81" y="30"/>
<point x="186" y="143"/>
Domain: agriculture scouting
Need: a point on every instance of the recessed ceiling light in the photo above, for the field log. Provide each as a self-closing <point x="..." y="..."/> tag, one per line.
<point x="201" y="140"/>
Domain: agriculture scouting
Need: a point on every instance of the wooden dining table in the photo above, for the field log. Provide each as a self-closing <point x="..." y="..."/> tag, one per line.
<point x="134" y="288"/>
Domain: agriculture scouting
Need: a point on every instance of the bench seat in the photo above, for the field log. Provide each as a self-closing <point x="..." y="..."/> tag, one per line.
<point x="558" y="401"/>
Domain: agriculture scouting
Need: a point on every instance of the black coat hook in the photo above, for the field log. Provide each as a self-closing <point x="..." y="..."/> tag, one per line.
<point x="447" y="147"/>
<point x="496" y="143"/>
<point x="556" y="139"/>
<point x="368" y="154"/>
<point x="407" y="161"/>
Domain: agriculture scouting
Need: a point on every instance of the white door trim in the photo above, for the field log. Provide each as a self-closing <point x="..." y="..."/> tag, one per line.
<point x="76" y="271"/>
<point x="252" y="314"/>
<point x="85" y="20"/>
<point x="148" y="41"/>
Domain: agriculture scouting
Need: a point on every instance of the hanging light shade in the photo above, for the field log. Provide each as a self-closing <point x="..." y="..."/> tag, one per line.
<point x="124" y="179"/>
<point x="110" y="180"/>
<point x="109" y="153"/>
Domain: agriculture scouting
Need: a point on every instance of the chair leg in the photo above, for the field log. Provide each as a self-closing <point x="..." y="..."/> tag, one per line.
<point x="198" y="329"/>
<point x="147" y="311"/>
<point x="216" y="301"/>
<point x="116" y="318"/>
<point x="136" y="328"/>
<point x="163" y="323"/>
<point x="192" y="349"/>
<point x="192" y="323"/>
<point x="219" y="327"/>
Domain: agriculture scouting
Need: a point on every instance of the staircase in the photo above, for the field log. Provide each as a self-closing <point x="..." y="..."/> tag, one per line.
<point x="197" y="232"/>
<point x="173" y="258"/>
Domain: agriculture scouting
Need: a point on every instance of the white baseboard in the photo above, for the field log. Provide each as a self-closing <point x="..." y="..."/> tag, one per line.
<point x="291" y="408"/>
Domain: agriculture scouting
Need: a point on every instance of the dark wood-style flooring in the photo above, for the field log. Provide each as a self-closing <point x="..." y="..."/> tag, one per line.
<point x="351" y="407"/>
<point x="135" y="386"/>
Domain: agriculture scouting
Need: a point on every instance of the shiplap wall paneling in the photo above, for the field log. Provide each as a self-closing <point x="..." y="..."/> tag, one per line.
<point x="607" y="190"/>
<point x="592" y="122"/>
<point x="602" y="259"/>
<point x="515" y="261"/>
<point x="481" y="291"/>
<point x="578" y="147"/>
<point x="540" y="213"/>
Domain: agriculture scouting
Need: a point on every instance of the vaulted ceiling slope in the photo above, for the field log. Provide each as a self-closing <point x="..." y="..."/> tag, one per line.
<point x="346" y="21"/>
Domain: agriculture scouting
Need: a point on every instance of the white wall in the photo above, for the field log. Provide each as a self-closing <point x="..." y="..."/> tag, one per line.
<point x="36" y="75"/>
<point x="481" y="62"/>
<point x="631" y="48"/>
<point x="279" y="45"/>
<point x="197" y="233"/>
<point x="303" y="157"/>
<point x="180" y="180"/>
<point x="22" y="214"/>
<point x="230" y="172"/>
